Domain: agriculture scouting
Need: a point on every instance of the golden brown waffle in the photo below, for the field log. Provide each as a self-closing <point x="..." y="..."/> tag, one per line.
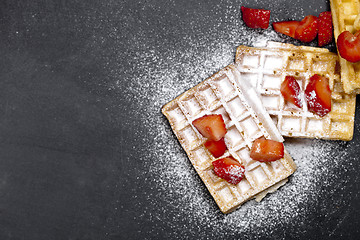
<point x="246" y="120"/>
<point x="344" y="13"/>
<point x="265" y="68"/>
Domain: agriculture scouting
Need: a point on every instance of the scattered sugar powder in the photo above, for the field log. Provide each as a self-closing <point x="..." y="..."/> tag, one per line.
<point x="178" y="202"/>
<point x="184" y="194"/>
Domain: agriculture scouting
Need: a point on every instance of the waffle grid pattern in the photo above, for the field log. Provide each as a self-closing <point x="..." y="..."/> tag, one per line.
<point x="266" y="68"/>
<point x="221" y="94"/>
<point x="344" y="13"/>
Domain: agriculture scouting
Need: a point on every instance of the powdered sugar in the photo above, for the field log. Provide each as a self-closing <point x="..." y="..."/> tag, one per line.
<point x="179" y="188"/>
<point x="178" y="202"/>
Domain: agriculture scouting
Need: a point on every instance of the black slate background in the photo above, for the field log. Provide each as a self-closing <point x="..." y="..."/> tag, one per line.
<point x="69" y="143"/>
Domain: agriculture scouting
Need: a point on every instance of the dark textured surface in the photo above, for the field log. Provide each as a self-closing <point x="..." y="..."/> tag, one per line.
<point x="74" y="143"/>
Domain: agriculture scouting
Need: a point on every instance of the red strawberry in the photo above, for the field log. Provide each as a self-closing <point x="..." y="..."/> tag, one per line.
<point x="349" y="46"/>
<point x="256" y="18"/>
<point x="287" y="27"/>
<point x="229" y="169"/>
<point x="325" y="34"/>
<point x="308" y="29"/>
<point x="290" y="90"/>
<point x="318" y="95"/>
<point x="216" y="148"/>
<point x="265" y="150"/>
<point x="211" y="126"/>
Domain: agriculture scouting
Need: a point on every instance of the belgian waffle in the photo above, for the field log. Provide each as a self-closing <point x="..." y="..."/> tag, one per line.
<point x="344" y="14"/>
<point x="265" y="68"/>
<point x="246" y="120"/>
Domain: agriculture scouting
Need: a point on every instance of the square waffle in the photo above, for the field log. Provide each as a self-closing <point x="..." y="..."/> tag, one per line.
<point x="246" y="120"/>
<point x="344" y="13"/>
<point x="265" y="68"/>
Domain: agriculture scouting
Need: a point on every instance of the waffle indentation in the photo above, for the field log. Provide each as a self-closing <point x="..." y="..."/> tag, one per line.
<point x="250" y="127"/>
<point x="233" y="137"/>
<point x="251" y="61"/>
<point x="189" y="136"/>
<point x="244" y="186"/>
<point x="271" y="82"/>
<point x="258" y="175"/>
<point x="315" y="125"/>
<point x="177" y="116"/>
<point x="340" y="107"/>
<point x="201" y="157"/>
<point x="291" y="124"/>
<point x="236" y="107"/>
<point x="271" y="102"/>
<point x="349" y="8"/>
<point x="273" y="62"/>
<point x="340" y="127"/>
<point x="276" y="167"/>
<point x="319" y="66"/>
<point x="226" y="195"/>
<point x="244" y="155"/>
<point x="213" y="177"/>
<point x="207" y="97"/>
<point x="296" y="64"/>
<point x="192" y="106"/>
<point x="224" y="86"/>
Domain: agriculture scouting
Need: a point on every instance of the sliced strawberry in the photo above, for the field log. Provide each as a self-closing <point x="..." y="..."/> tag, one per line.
<point x="211" y="126"/>
<point x="318" y="95"/>
<point x="349" y="46"/>
<point x="308" y="29"/>
<point x="256" y="18"/>
<point x="287" y="27"/>
<point x="290" y="90"/>
<point x="229" y="169"/>
<point x="325" y="34"/>
<point x="265" y="150"/>
<point x="216" y="148"/>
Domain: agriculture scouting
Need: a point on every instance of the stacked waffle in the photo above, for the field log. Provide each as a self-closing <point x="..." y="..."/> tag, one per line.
<point x="247" y="95"/>
<point x="265" y="68"/>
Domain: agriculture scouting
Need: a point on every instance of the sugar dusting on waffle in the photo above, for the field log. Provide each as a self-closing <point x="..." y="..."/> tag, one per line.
<point x="266" y="68"/>
<point x="185" y="196"/>
<point x="182" y="198"/>
<point x="181" y="201"/>
<point x="177" y="203"/>
<point x="246" y="120"/>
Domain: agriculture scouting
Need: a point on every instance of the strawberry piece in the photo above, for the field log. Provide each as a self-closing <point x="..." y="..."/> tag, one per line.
<point x="325" y="34"/>
<point x="211" y="126"/>
<point x="349" y="46"/>
<point x="256" y="18"/>
<point x="318" y="95"/>
<point x="287" y="27"/>
<point x="229" y="169"/>
<point x="265" y="150"/>
<point x="216" y="148"/>
<point x="308" y="29"/>
<point x="290" y="90"/>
